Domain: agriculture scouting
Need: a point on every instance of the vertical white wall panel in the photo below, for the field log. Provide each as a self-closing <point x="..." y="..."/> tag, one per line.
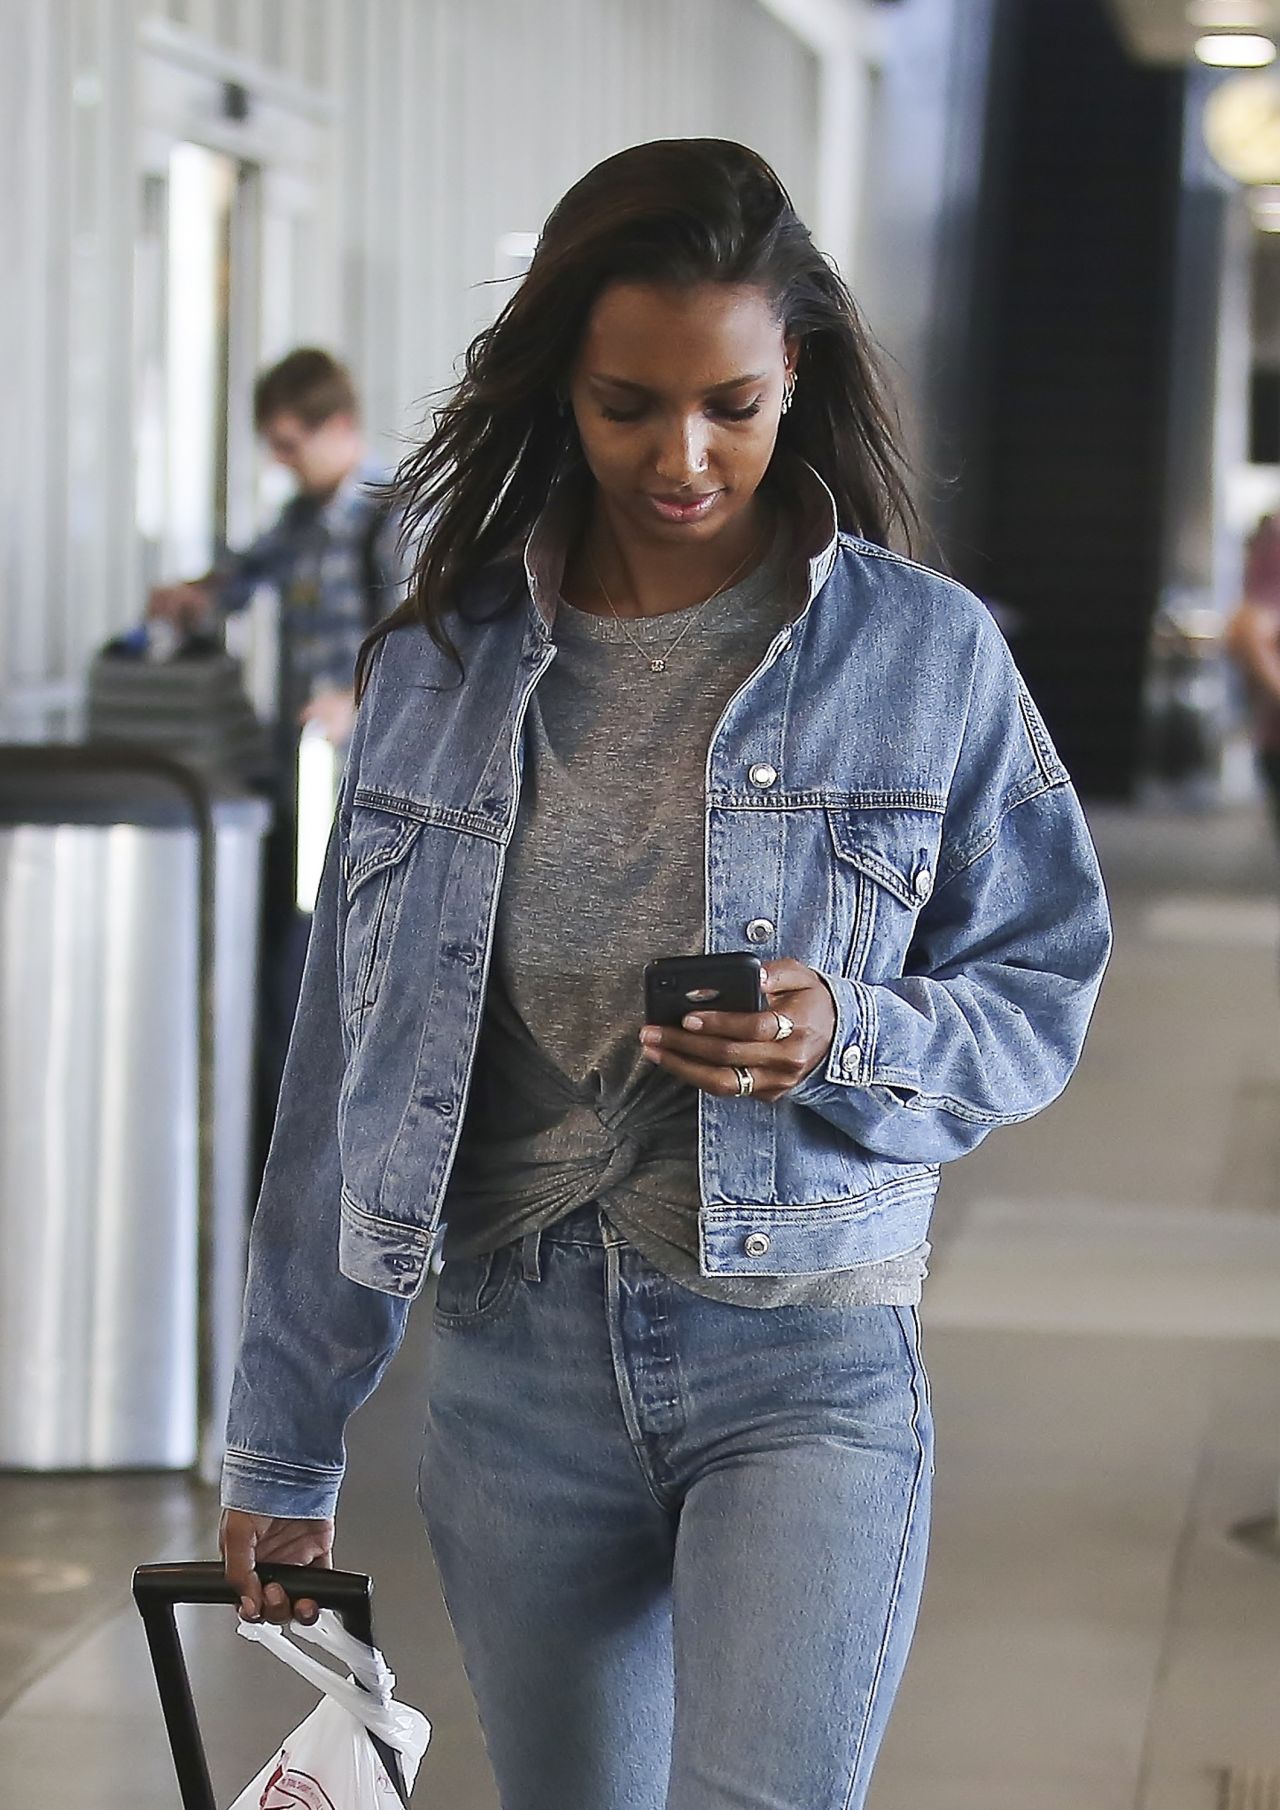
<point x="99" y="538"/>
<point x="36" y="123"/>
<point x="421" y="131"/>
<point x="87" y="280"/>
<point x="502" y="104"/>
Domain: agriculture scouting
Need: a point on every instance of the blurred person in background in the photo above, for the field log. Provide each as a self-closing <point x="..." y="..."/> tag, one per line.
<point x="660" y="687"/>
<point x="330" y="555"/>
<point x="332" y="559"/>
<point x="1253" y="639"/>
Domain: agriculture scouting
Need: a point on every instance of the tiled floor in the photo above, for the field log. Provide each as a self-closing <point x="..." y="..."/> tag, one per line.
<point x="1102" y="1328"/>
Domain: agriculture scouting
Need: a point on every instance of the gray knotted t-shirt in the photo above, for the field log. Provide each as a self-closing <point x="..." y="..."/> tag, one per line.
<point x="605" y="872"/>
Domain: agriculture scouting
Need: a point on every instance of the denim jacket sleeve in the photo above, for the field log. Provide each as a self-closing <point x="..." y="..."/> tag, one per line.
<point x="986" y="1023"/>
<point x="313" y="1344"/>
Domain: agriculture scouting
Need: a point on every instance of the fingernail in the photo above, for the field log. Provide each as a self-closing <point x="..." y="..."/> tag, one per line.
<point x="650" y="1055"/>
<point x="247" y="1609"/>
<point x="649" y="1035"/>
<point x="693" y="1022"/>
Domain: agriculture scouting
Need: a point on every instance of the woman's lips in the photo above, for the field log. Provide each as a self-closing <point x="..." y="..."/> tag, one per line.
<point x="684" y="509"/>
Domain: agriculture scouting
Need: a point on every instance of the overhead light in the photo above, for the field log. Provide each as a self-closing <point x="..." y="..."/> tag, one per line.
<point x="1242" y="126"/>
<point x="1235" y="50"/>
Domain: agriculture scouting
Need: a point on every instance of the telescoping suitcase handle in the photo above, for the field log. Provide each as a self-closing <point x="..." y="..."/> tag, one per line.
<point x="158" y="1589"/>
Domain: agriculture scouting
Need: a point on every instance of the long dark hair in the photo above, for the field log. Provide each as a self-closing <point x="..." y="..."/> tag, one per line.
<point x="680" y="211"/>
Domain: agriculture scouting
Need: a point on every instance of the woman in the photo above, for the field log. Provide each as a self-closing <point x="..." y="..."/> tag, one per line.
<point x="660" y="687"/>
<point x="1252" y="638"/>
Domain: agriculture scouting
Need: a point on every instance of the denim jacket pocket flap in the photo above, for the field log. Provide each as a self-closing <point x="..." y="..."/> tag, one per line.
<point x="377" y="840"/>
<point x="897" y="849"/>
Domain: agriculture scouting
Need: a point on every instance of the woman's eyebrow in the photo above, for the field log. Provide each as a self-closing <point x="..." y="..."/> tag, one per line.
<point x="624" y="383"/>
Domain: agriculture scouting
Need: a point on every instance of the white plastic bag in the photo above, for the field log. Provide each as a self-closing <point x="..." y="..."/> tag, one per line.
<point x="329" y="1762"/>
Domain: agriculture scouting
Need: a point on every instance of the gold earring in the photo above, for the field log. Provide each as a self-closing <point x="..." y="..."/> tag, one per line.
<point x="788" y="392"/>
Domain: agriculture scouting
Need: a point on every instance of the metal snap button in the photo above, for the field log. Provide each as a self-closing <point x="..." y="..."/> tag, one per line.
<point x="923" y="883"/>
<point x="759" y="930"/>
<point x="762" y="774"/>
<point x="851" y="1060"/>
<point x="755" y="1244"/>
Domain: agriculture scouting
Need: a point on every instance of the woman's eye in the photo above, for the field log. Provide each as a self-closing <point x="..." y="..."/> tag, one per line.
<point x="752" y="408"/>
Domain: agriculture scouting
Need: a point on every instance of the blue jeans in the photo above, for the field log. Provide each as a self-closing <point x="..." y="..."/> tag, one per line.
<point x="681" y="1543"/>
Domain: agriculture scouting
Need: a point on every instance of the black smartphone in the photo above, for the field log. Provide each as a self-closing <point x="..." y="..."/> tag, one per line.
<point x="677" y="984"/>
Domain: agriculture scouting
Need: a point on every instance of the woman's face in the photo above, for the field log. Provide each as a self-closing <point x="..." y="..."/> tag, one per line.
<point x="677" y="395"/>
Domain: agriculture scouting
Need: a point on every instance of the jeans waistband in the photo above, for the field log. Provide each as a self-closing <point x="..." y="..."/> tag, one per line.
<point x="585" y="1225"/>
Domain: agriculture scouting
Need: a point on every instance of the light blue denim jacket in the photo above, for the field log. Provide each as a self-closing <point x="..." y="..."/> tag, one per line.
<point x="883" y="804"/>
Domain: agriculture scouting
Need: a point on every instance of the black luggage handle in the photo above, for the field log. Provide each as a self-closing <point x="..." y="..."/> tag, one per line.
<point x="158" y="1589"/>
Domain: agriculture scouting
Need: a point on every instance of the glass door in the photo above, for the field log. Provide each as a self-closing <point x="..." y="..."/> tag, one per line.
<point x="196" y="331"/>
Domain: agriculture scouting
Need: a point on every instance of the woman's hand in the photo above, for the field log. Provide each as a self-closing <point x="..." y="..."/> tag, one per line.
<point x="711" y="1045"/>
<point x="247" y="1539"/>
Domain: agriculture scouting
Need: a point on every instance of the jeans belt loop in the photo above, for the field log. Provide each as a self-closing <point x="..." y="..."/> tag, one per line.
<point x="531" y="1255"/>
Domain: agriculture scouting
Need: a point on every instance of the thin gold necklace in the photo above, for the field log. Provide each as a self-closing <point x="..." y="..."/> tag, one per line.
<point x="658" y="662"/>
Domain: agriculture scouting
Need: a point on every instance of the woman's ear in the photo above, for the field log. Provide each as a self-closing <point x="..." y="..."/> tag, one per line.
<point x="791" y="354"/>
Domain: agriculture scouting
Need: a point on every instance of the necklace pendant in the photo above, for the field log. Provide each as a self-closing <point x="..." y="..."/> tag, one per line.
<point x="657" y="666"/>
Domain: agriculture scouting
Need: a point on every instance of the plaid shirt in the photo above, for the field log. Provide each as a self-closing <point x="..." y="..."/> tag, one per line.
<point x="319" y="556"/>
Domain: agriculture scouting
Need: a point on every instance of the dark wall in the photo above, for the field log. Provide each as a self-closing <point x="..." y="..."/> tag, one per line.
<point x="1064" y="477"/>
<point x="926" y="186"/>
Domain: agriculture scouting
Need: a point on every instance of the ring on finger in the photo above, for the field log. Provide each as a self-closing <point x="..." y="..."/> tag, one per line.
<point x="785" y="1026"/>
<point x="746" y="1080"/>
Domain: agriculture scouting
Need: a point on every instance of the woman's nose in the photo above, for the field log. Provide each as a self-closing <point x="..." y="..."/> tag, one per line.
<point x="682" y="456"/>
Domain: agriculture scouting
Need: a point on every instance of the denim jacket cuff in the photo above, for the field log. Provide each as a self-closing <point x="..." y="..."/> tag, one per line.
<point x="269" y="1486"/>
<point x="850" y="1060"/>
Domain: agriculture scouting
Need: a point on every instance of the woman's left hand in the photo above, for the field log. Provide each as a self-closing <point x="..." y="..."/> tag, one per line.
<point x="711" y="1046"/>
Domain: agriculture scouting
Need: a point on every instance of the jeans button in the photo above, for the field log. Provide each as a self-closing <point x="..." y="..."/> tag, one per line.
<point x="763" y="775"/>
<point x="851" y="1060"/>
<point x="755" y="1244"/>
<point x="759" y="930"/>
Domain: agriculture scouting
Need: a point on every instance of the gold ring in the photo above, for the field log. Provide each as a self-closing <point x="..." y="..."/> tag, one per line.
<point x="746" y="1080"/>
<point x="785" y="1026"/>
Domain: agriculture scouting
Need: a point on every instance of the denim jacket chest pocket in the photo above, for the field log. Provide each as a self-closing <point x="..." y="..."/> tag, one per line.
<point x="380" y="845"/>
<point x="884" y="873"/>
